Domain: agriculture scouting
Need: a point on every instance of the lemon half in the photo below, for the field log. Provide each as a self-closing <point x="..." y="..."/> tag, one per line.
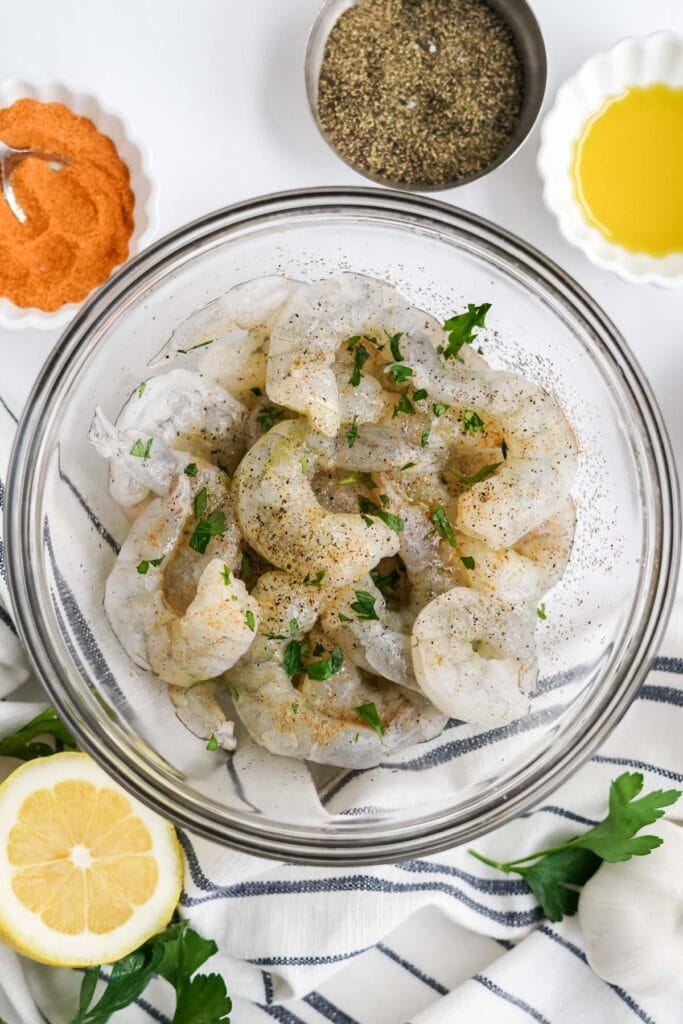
<point x="87" y="873"/>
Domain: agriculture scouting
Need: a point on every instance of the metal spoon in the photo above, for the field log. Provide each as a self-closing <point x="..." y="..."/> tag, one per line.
<point x="10" y="158"/>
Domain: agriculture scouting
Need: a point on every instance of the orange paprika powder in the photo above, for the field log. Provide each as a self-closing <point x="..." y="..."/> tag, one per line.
<point x="79" y="218"/>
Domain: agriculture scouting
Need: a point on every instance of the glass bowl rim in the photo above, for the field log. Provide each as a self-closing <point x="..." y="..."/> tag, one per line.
<point x="142" y="776"/>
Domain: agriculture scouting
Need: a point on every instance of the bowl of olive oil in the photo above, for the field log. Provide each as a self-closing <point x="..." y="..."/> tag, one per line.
<point x="611" y="159"/>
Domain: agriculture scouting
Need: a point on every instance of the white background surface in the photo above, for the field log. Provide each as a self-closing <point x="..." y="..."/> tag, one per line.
<point x="216" y="89"/>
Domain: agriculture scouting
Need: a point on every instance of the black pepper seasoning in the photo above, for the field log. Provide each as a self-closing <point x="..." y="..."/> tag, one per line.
<point x="420" y="92"/>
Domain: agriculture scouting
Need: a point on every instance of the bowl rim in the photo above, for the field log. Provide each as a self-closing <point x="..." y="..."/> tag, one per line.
<point x="521" y="21"/>
<point x="47" y="89"/>
<point x="143" y="776"/>
<point x="601" y="253"/>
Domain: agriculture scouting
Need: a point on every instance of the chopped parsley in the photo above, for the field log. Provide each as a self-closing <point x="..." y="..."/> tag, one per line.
<point x="403" y="405"/>
<point x="386" y="584"/>
<point x="246" y="567"/>
<point x="234" y="692"/>
<point x="468" y="561"/>
<point x="540" y="611"/>
<point x="143" y="566"/>
<point x="201" y="500"/>
<point x="344" y="618"/>
<point x="352" y="432"/>
<point x="370" y="508"/>
<point x="250" y="620"/>
<point x="368" y="712"/>
<point x="461" y="328"/>
<point x="191" y="469"/>
<point x="140" y="450"/>
<point x="269" y="416"/>
<point x="141" y="389"/>
<point x="292" y="660"/>
<point x="202" y="344"/>
<point x="393" y="340"/>
<point x="213" y="742"/>
<point x="504" y="448"/>
<point x="212" y="526"/>
<point x="408" y="465"/>
<point x="439" y="408"/>
<point x="359" y="478"/>
<point x="361" y="357"/>
<point x="424" y="439"/>
<point x="471" y="422"/>
<point x="315" y="581"/>
<point x="420" y="395"/>
<point x="321" y="670"/>
<point x="293" y="626"/>
<point x="399" y="372"/>
<point x="364" y="605"/>
<point x="226" y="574"/>
<point x="443" y="525"/>
<point x="474" y="478"/>
<point x="305" y="464"/>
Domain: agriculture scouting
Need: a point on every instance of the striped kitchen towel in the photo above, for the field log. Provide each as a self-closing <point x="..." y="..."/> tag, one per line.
<point x="426" y="941"/>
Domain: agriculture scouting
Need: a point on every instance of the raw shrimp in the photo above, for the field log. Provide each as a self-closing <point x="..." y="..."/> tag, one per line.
<point x="215" y="628"/>
<point x="187" y="411"/>
<point x="474" y="658"/>
<point x="550" y="544"/>
<point x="318" y="720"/>
<point x="199" y="711"/>
<point x="371" y="637"/>
<point x="313" y="325"/>
<point x="281" y="518"/>
<point x="513" y="579"/>
<point x="539" y="464"/>
<point x="252" y="305"/>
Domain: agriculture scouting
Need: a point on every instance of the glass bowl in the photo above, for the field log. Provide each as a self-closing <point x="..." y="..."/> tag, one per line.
<point x="604" y="618"/>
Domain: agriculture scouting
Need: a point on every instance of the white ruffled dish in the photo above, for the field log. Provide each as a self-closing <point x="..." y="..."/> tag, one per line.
<point x="131" y="151"/>
<point x="636" y="61"/>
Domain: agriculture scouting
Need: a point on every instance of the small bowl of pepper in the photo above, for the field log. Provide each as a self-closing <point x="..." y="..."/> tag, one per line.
<point x="423" y="95"/>
<point x="77" y="200"/>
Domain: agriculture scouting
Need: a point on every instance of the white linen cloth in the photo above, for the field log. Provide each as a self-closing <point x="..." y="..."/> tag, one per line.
<point x="427" y="941"/>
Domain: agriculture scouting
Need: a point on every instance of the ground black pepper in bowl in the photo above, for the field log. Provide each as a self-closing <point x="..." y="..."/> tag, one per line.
<point x="420" y="92"/>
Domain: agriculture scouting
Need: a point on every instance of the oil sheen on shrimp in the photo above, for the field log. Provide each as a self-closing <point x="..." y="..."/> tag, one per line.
<point x="317" y="720"/>
<point x="474" y="658"/>
<point x="180" y="646"/>
<point x="282" y="519"/>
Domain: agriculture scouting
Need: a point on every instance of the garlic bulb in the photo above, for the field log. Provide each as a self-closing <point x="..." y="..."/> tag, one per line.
<point x="631" y="916"/>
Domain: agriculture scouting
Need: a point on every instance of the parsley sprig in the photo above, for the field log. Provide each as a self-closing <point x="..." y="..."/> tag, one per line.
<point x="370" y="508"/>
<point x="212" y="526"/>
<point x="553" y="874"/>
<point x="461" y="328"/>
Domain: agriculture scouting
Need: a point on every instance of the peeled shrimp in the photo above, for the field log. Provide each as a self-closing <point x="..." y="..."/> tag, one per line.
<point x="318" y="720"/>
<point x="513" y="579"/>
<point x="548" y="546"/>
<point x="378" y="645"/>
<point x="199" y="711"/>
<point x="474" y="658"/>
<point x="538" y="472"/>
<point x="252" y="305"/>
<point x="281" y="518"/>
<point x="180" y="645"/>
<point x="312" y="327"/>
<point x="186" y="411"/>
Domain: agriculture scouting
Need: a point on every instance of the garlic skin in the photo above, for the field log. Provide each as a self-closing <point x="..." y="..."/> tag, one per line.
<point x="631" y="916"/>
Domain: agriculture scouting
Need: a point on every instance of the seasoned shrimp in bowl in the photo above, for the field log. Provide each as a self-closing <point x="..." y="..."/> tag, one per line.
<point x="343" y="522"/>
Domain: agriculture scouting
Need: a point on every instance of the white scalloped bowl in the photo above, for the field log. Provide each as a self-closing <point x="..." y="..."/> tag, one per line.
<point x="131" y="151"/>
<point x="644" y="60"/>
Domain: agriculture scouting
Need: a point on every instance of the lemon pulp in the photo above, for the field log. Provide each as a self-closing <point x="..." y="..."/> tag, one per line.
<point x="628" y="170"/>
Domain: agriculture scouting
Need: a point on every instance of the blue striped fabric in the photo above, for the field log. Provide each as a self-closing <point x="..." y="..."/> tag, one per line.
<point x="426" y="941"/>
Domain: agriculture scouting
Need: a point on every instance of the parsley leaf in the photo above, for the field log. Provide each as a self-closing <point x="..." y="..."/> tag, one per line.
<point x="399" y="372"/>
<point x="440" y="408"/>
<point x="191" y="469"/>
<point x="352" y="432"/>
<point x="468" y="561"/>
<point x="403" y="405"/>
<point x="201" y="500"/>
<point x="443" y="525"/>
<point x="393" y="340"/>
<point x="226" y="574"/>
<point x="143" y="566"/>
<point x="250" y="619"/>
<point x="26" y="743"/>
<point x="359" y="478"/>
<point x="554" y="871"/>
<point x="385" y="584"/>
<point x="140" y="450"/>
<point x="370" y="508"/>
<point x="321" y="670"/>
<point x="420" y="395"/>
<point x="462" y="326"/>
<point x="364" y="605"/>
<point x="424" y="439"/>
<point x="212" y="526"/>
<point x="360" y="358"/>
<point x="292" y="659"/>
<point x="246" y="568"/>
<point x="471" y="422"/>
<point x="213" y="743"/>
<point x="474" y="478"/>
<point x="368" y="712"/>
<point x="141" y="389"/>
<point x="408" y="465"/>
<point x="540" y="611"/>
<point x="269" y="416"/>
<point x="315" y="581"/>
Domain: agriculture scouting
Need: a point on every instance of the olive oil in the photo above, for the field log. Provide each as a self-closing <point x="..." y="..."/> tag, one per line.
<point x="628" y="170"/>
